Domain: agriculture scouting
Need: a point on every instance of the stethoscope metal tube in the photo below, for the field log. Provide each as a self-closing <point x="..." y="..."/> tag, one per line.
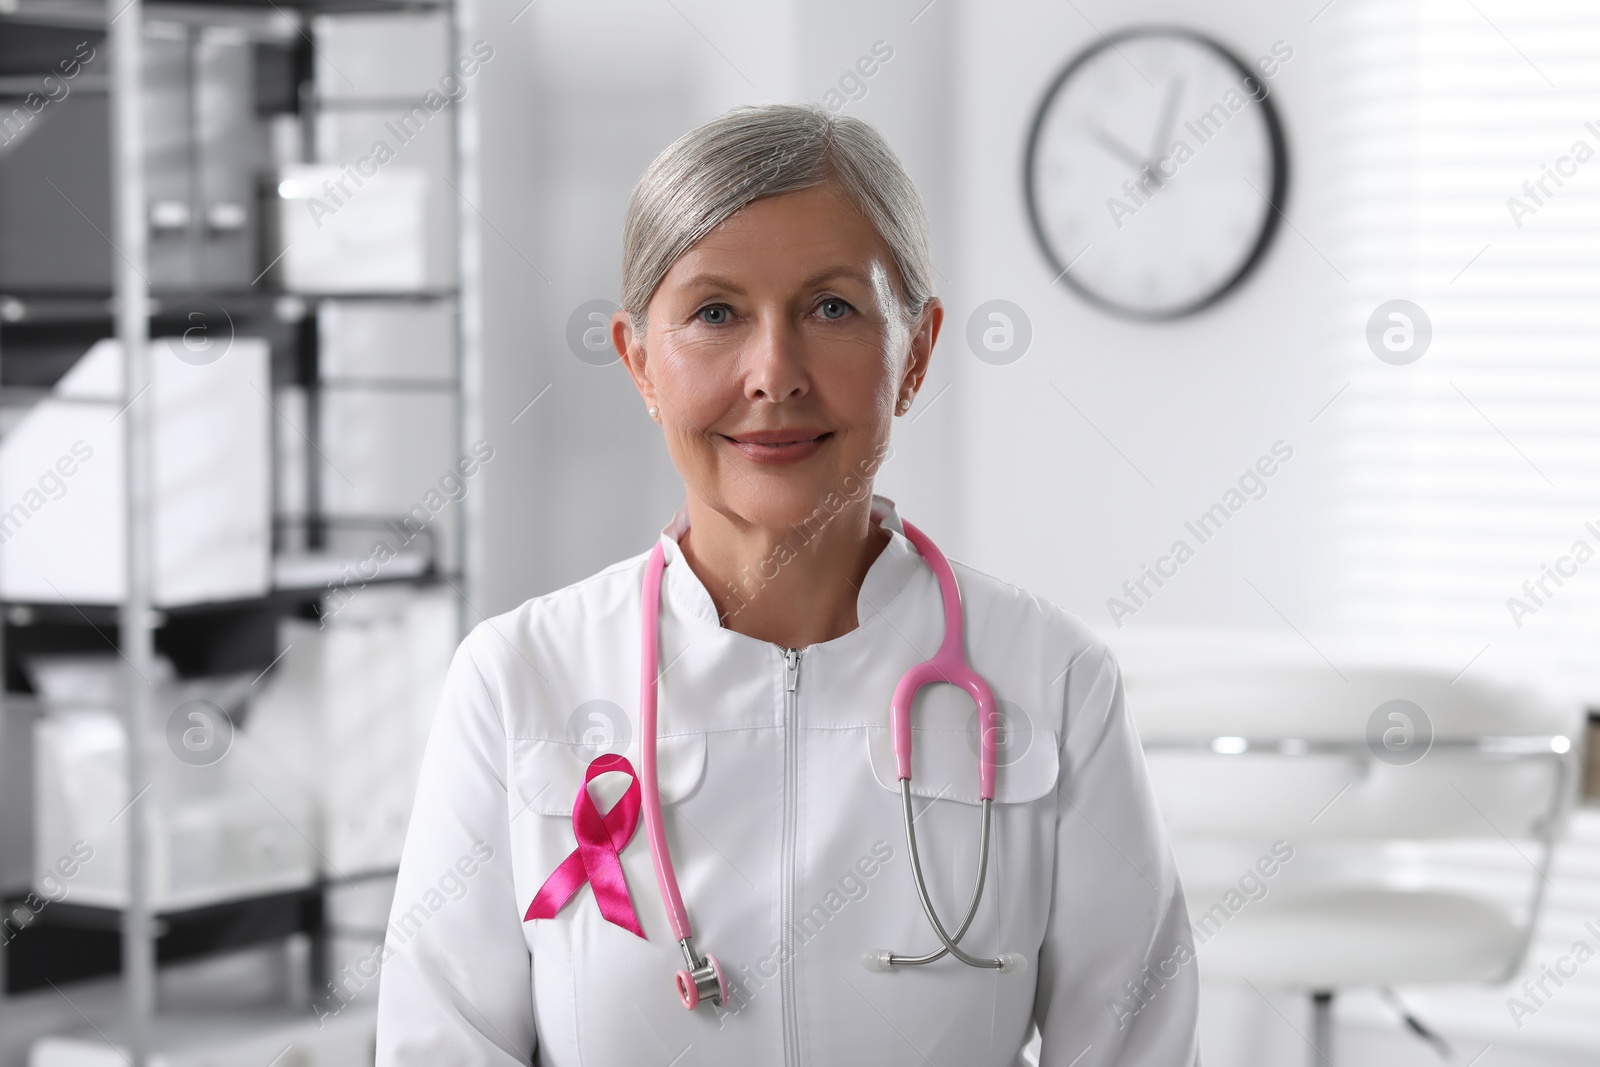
<point x="883" y="960"/>
<point x="886" y="960"/>
<point x="701" y="978"/>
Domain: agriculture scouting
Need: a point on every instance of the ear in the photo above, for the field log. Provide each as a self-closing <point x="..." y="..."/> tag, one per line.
<point x="925" y="333"/>
<point x="631" y="348"/>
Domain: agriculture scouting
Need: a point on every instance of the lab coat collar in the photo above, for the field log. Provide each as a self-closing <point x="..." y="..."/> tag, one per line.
<point x="885" y="579"/>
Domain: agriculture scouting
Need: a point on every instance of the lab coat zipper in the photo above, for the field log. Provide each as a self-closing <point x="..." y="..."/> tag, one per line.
<point x="791" y="760"/>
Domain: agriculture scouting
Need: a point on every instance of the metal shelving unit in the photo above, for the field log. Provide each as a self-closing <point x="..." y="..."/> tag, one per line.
<point x="127" y="310"/>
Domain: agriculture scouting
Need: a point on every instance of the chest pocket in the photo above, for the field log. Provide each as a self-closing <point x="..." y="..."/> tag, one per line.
<point x="944" y="751"/>
<point x="547" y="774"/>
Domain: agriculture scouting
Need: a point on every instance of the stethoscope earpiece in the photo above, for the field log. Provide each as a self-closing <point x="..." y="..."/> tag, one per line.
<point x="878" y="960"/>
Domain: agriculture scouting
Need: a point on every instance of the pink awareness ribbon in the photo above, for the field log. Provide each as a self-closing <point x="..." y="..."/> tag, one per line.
<point x="596" y="860"/>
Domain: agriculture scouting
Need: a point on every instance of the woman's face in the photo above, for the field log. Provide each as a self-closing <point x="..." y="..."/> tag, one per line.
<point x="777" y="353"/>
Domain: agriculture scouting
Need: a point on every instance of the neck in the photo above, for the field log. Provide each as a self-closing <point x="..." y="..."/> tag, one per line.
<point x="791" y="586"/>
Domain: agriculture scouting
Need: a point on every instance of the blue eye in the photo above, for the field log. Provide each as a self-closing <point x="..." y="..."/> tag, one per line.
<point x="836" y="304"/>
<point x="710" y="310"/>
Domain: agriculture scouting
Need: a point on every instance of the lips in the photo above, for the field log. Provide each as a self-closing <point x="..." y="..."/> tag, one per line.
<point x="793" y="436"/>
<point x="779" y="446"/>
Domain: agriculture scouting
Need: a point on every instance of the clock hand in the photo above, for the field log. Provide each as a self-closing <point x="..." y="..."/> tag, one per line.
<point x="1169" y="114"/>
<point x="1117" y="148"/>
<point x="1147" y="174"/>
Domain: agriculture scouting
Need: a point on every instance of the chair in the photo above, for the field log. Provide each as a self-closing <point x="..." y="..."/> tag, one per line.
<point x="1332" y="831"/>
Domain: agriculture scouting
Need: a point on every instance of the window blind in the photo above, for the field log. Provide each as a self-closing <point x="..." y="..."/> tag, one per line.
<point x="1468" y="524"/>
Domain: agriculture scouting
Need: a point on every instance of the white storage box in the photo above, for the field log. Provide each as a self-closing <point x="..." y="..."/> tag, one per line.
<point x="354" y="700"/>
<point x="233" y="828"/>
<point x="421" y="140"/>
<point x="387" y="340"/>
<point x="63" y="482"/>
<point x="353" y="239"/>
<point x="380" y="55"/>
<point x="275" y="1037"/>
<point x="405" y="446"/>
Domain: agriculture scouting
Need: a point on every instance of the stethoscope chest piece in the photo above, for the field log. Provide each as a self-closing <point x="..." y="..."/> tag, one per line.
<point x="702" y="979"/>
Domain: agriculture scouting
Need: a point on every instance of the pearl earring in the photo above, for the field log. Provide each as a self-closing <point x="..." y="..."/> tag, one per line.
<point x="653" y="411"/>
<point x="905" y="403"/>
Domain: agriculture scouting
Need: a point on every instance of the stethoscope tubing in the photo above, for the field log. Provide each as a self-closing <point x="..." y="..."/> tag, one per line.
<point x="948" y="665"/>
<point x="654" y="830"/>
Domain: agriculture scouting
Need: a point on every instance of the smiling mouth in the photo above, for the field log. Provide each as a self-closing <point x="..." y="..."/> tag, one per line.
<point x="781" y="447"/>
<point x="766" y="441"/>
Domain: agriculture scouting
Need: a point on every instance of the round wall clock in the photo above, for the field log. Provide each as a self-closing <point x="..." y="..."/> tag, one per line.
<point x="1156" y="171"/>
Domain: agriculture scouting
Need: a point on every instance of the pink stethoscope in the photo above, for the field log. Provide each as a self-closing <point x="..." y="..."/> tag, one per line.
<point x="701" y="978"/>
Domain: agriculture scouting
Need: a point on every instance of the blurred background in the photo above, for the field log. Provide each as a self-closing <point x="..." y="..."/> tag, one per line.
<point x="1270" y="351"/>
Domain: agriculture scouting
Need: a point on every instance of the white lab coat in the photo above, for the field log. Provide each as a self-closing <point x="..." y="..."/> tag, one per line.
<point x="783" y="815"/>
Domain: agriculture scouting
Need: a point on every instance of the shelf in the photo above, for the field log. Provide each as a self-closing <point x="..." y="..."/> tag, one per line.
<point x="21" y="614"/>
<point x="66" y="942"/>
<point x="415" y="295"/>
<point x="20" y="85"/>
<point x="315" y="7"/>
<point x="214" y="638"/>
<point x="29" y="308"/>
<point x="92" y="13"/>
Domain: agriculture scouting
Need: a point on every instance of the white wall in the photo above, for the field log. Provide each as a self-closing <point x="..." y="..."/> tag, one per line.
<point x="1051" y="504"/>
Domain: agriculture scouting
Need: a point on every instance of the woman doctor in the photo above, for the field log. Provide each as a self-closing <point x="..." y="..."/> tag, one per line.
<point x="777" y="315"/>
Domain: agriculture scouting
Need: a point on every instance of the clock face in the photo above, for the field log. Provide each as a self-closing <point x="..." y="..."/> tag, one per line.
<point x="1155" y="173"/>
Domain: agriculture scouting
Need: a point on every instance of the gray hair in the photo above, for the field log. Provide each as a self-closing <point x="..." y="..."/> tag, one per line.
<point x="748" y="153"/>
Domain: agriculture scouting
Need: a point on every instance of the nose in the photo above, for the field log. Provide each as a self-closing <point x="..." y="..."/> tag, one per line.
<point x="774" y="364"/>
